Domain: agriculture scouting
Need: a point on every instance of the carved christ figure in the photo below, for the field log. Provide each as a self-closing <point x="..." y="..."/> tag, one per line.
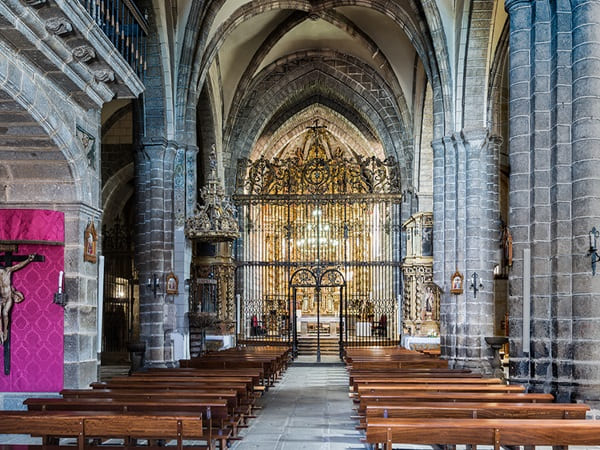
<point x="9" y="295"/>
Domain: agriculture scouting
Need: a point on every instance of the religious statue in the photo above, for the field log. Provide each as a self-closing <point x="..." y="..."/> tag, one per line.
<point x="507" y="245"/>
<point x="427" y="303"/>
<point x="9" y="295"/>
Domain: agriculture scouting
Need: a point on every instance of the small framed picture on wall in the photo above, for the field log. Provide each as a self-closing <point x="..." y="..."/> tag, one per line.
<point x="172" y="283"/>
<point x="456" y="283"/>
<point x="90" y="242"/>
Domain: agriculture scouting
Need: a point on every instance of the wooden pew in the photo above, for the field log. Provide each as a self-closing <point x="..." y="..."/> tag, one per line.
<point x="245" y="394"/>
<point x="411" y="373"/>
<point x="446" y="387"/>
<point x="88" y="426"/>
<point x="496" y="432"/>
<point x="268" y="367"/>
<point x="213" y="410"/>
<point x="257" y="374"/>
<point x="364" y="380"/>
<point x="400" y="364"/>
<point x="476" y="410"/>
<point x="414" y="396"/>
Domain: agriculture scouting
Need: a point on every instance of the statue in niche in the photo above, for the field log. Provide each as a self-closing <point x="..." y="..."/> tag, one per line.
<point x="427" y="303"/>
<point x="9" y="295"/>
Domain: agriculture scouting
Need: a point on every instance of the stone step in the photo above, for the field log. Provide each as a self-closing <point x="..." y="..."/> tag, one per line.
<point x="307" y="345"/>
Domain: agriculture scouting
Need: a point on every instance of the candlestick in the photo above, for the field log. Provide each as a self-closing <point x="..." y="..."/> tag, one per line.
<point x="60" y="281"/>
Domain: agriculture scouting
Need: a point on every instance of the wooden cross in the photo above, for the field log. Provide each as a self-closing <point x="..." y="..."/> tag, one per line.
<point x="8" y="260"/>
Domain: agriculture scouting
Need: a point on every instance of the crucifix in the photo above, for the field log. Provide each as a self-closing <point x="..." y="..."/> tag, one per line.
<point x="8" y="294"/>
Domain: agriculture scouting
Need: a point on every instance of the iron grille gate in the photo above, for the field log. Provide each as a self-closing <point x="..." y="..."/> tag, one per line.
<point x="334" y="214"/>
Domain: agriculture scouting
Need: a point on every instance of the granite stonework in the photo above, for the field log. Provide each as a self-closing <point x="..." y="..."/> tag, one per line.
<point x="553" y="194"/>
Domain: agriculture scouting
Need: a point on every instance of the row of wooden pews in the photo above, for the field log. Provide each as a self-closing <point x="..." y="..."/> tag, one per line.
<point x="200" y="405"/>
<point x="404" y="399"/>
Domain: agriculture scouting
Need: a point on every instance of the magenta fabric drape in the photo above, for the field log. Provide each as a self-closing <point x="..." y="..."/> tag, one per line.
<point x="37" y="330"/>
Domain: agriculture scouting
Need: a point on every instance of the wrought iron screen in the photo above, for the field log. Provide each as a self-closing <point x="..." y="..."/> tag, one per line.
<point x="118" y="288"/>
<point x="321" y="210"/>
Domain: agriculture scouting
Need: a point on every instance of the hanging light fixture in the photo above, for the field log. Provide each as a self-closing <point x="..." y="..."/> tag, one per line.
<point x="214" y="219"/>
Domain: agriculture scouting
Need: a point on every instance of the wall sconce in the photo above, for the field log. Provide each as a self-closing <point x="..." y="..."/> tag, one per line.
<point x="475" y="285"/>
<point x="593" y="251"/>
<point x="153" y="283"/>
<point x="60" y="297"/>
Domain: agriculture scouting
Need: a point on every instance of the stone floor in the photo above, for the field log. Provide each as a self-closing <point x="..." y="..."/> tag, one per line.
<point x="308" y="408"/>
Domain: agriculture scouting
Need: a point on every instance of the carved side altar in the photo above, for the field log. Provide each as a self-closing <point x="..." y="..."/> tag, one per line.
<point x="421" y="308"/>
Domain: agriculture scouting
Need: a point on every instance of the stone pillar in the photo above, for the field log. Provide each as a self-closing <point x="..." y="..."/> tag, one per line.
<point x="81" y="287"/>
<point x="466" y="220"/>
<point x="549" y="219"/>
<point x="561" y="198"/>
<point x="154" y="172"/>
<point x="586" y="194"/>
<point x="520" y="16"/>
<point x="444" y="252"/>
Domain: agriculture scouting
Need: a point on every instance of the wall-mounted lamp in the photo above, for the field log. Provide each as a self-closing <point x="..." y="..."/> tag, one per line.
<point x="476" y="286"/>
<point x="60" y="297"/>
<point x="153" y="283"/>
<point x="593" y="251"/>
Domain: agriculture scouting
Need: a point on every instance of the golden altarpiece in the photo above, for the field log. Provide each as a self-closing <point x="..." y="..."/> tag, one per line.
<point x="421" y="307"/>
<point x="319" y="207"/>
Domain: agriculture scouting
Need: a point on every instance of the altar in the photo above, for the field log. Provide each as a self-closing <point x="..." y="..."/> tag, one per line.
<point x="419" y="342"/>
<point x="328" y="324"/>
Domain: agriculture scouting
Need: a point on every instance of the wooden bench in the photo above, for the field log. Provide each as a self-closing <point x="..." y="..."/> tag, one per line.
<point x="244" y="400"/>
<point x="413" y="396"/>
<point x="400" y="364"/>
<point x="496" y="432"/>
<point x="85" y="427"/>
<point x="405" y="381"/>
<point x="213" y="410"/>
<point x="246" y="397"/>
<point x="410" y="373"/>
<point x="257" y="374"/>
<point x="268" y="367"/>
<point x="446" y="387"/>
<point x="476" y="410"/>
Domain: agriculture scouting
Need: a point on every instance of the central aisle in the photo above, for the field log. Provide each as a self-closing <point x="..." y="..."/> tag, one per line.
<point x="308" y="408"/>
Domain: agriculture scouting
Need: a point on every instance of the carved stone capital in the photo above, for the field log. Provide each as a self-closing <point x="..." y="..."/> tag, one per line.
<point x="84" y="53"/>
<point x="511" y="5"/>
<point x="58" y="26"/>
<point x="104" y="75"/>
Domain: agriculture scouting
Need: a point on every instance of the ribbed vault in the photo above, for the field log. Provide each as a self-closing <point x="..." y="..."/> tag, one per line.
<point x="286" y="87"/>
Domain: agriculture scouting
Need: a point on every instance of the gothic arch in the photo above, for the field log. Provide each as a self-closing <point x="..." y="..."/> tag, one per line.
<point x="429" y="43"/>
<point x="43" y="134"/>
<point x="352" y="132"/>
<point x="321" y="80"/>
<point x="479" y="52"/>
<point x="294" y="20"/>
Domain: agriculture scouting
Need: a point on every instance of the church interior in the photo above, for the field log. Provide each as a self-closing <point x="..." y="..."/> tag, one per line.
<point x="185" y="177"/>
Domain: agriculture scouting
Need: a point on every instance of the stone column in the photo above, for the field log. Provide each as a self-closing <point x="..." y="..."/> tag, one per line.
<point x="586" y="194"/>
<point x="561" y="197"/>
<point x="154" y="172"/>
<point x="443" y="243"/>
<point x="520" y="16"/>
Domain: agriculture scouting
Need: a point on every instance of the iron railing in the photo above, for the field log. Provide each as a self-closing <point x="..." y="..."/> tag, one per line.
<point x="125" y="26"/>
